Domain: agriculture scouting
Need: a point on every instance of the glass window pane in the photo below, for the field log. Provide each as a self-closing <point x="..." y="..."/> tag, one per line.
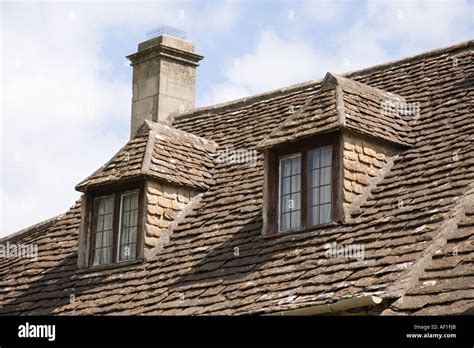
<point x="132" y="234"/>
<point x="102" y="229"/>
<point x="325" y="213"/>
<point x="97" y="257"/>
<point x="108" y="221"/>
<point x="107" y="238"/>
<point x="134" y="202"/>
<point x="100" y="223"/>
<point x="326" y="154"/>
<point x="326" y="176"/>
<point x="295" y="201"/>
<point x="314" y="215"/>
<point x="326" y="194"/>
<point x="128" y="226"/>
<point x="320" y="185"/>
<point x="109" y="204"/>
<point x="296" y="183"/>
<point x="290" y="192"/>
<point x="286" y="167"/>
<point x="296" y="165"/>
<point x="314" y="178"/>
<point x="285" y="185"/>
<point x="133" y="250"/>
<point x="313" y="158"/>
<point x="98" y="240"/>
<point x="126" y="203"/>
<point x="107" y="255"/>
<point x="313" y="197"/>
<point x="285" y="203"/>
<point x="295" y="219"/>
<point x="285" y="221"/>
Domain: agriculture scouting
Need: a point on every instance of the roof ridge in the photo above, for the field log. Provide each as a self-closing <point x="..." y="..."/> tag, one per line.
<point x="168" y="131"/>
<point x="33" y="228"/>
<point x="332" y="80"/>
<point x="264" y="96"/>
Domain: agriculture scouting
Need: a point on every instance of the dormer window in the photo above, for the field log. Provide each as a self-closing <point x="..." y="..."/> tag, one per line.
<point x="112" y="241"/>
<point x="113" y="224"/>
<point x="305" y="189"/>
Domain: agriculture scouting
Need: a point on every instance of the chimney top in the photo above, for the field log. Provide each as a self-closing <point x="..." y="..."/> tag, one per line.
<point x="164" y="79"/>
<point x="166" y="30"/>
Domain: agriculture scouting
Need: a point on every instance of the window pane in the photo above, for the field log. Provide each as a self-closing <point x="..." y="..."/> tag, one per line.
<point x="325" y="176"/>
<point x="290" y="193"/>
<point x="320" y="185"/>
<point x="285" y="221"/>
<point x="313" y="157"/>
<point x="285" y="203"/>
<point x="107" y="255"/>
<point x="98" y="240"/>
<point x="134" y="202"/>
<point x="313" y="197"/>
<point x="296" y="165"/>
<point x="326" y="194"/>
<point x="295" y="219"/>
<point x="326" y="154"/>
<point x="296" y="183"/>
<point x="286" y="167"/>
<point x="314" y="178"/>
<point x="295" y="201"/>
<point x="285" y="185"/>
<point x="128" y="226"/>
<point x="126" y="203"/>
<point x="325" y="213"/>
<point x="314" y="215"/>
<point x="102" y="229"/>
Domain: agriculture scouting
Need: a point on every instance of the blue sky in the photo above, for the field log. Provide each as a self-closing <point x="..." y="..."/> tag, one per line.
<point x="66" y="87"/>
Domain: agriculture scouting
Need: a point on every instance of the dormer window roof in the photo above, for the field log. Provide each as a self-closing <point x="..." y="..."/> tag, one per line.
<point x="342" y="103"/>
<point x="322" y="161"/>
<point x="132" y="199"/>
<point x="160" y="152"/>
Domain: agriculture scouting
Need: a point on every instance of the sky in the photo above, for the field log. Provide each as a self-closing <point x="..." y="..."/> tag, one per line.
<point x="65" y="85"/>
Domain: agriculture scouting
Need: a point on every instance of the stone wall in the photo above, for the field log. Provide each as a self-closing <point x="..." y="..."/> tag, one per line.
<point x="163" y="202"/>
<point x="364" y="162"/>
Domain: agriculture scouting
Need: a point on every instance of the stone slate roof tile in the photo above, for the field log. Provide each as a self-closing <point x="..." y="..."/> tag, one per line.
<point x="163" y="153"/>
<point x="217" y="261"/>
<point x="344" y="103"/>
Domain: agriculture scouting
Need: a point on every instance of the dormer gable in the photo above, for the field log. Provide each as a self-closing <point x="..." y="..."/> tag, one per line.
<point x="136" y="196"/>
<point x="338" y="145"/>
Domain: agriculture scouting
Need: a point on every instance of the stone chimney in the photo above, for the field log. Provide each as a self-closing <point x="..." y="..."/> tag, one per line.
<point x="164" y="79"/>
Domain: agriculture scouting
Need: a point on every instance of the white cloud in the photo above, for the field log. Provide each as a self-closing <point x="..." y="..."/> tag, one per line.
<point x="275" y="62"/>
<point x="385" y="30"/>
<point x="64" y="112"/>
<point x="323" y="11"/>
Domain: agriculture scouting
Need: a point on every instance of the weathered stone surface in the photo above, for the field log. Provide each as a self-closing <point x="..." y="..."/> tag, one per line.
<point x="162" y="86"/>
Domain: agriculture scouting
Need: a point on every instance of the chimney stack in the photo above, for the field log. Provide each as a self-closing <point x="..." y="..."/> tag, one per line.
<point x="164" y="79"/>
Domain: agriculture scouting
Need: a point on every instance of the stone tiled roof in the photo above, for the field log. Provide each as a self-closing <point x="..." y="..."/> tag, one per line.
<point x="217" y="262"/>
<point x="344" y="103"/>
<point x="161" y="152"/>
<point x="446" y="284"/>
